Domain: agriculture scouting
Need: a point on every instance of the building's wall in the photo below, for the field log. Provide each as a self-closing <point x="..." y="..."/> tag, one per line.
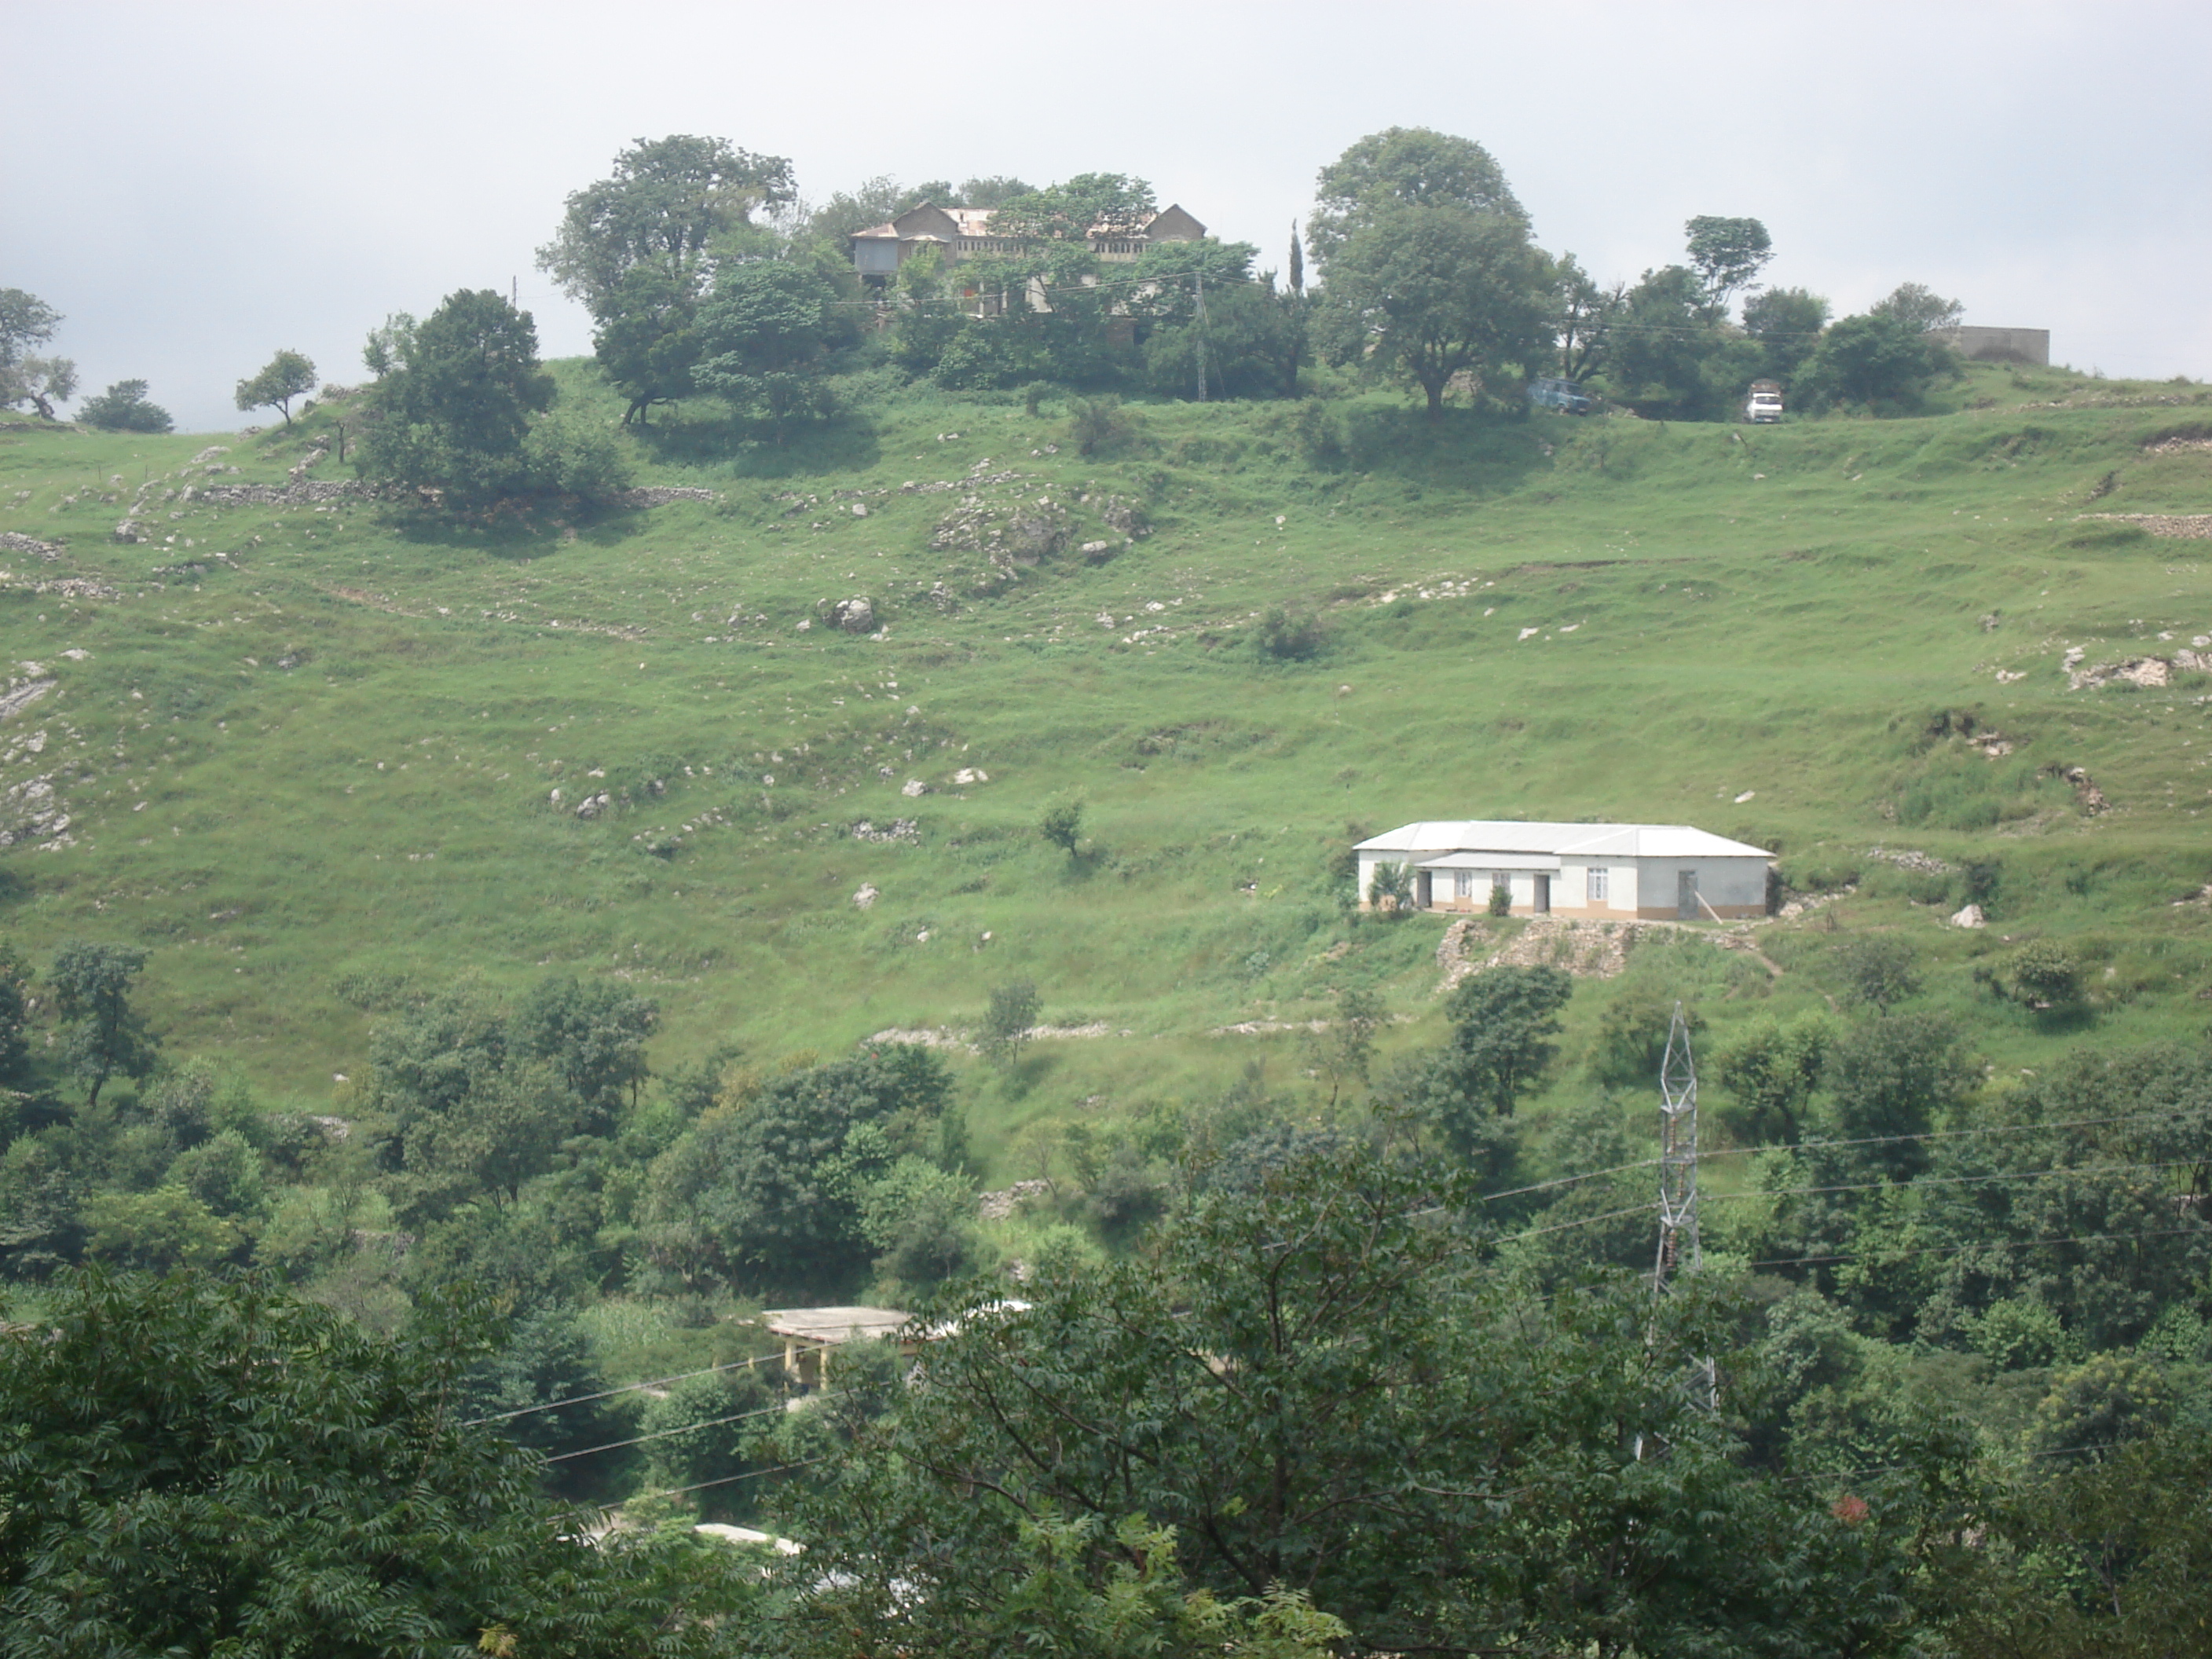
<point x="875" y="256"/>
<point x="2000" y="345"/>
<point x="1733" y="888"/>
<point x="1570" y="890"/>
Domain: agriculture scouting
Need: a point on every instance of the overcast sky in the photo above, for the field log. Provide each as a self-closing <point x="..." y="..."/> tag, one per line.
<point x="196" y="186"/>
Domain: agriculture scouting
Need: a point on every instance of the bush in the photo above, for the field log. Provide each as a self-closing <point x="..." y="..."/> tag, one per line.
<point x="1099" y="423"/>
<point x="1289" y="635"/>
<point x="122" y="408"/>
<point x="2043" y="973"/>
<point x="569" y="454"/>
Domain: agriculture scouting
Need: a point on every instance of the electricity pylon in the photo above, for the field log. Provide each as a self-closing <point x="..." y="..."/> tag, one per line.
<point x="1679" y="1250"/>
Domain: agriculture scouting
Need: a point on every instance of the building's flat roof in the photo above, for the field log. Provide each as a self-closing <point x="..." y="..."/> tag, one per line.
<point x="1648" y="841"/>
<point x="1493" y="861"/>
<point x="832" y="1324"/>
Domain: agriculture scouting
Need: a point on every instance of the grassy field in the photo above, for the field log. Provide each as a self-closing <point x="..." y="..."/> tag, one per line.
<point x="308" y="754"/>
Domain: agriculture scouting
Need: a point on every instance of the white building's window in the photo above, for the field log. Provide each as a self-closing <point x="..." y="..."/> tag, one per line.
<point x="1595" y="876"/>
<point x="1463" y="883"/>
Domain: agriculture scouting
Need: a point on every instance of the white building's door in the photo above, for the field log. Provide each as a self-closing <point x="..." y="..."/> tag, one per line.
<point x="1686" y="895"/>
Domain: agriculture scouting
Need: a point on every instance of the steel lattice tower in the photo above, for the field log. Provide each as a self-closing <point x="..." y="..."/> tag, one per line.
<point x="1679" y="1250"/>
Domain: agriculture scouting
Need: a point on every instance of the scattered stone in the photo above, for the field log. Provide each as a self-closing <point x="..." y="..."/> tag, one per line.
<point x="1000" y="1204"/>
<point x="1969" y="916"/>
<point x="914" y="786"/>
<point x="2183" y="526"/>
<point x="865" y="898"/>
<point x="592" y="806"/>
<point x="1907" y="859"/>
<point x="901" y="832"/>
<point x="2091" y="797"/>
<point x="854" y="615"/>
<point x="20" y="694"/>
<point x="12" y="543"/>
<point x="967" y="775"/>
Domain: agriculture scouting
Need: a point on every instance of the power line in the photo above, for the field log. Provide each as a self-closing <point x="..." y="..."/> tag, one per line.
<point x="1955" y="1180"/>
<point x="687" y="1428"/>
<point x="629" y="1387"/>
<point x="1985" y="1243"/>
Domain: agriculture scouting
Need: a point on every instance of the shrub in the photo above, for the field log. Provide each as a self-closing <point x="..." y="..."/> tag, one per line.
<point x="1099" y="423"/>
<point x="1289" y="635"/>
<point x="122" y="408"/>
<point x="1393" y="883"/>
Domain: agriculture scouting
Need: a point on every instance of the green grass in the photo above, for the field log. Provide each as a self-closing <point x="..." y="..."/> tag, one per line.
<point x="1717" y="611"/>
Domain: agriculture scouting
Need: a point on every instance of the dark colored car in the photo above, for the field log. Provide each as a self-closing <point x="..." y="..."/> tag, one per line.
<point x="1563" y="395"/>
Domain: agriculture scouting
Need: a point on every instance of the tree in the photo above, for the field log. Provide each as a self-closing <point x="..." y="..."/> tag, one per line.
<point x="1918" y="308"/>
<point x="1582" y="310"/>
<point x="122" y="408"/>
<point x="104" y="1034"/>
<point x="592" y="1035"/>
<point x="765" y="340"/>
<point x="638" y="249"/>
<point x="1404" y="167"/>
<point x="453" y="408"/>
<point x="26" y="321"/>
<point x="1889" y="1078"/>
<point x="1667" y="354"/>
<point x="1431" y="292"/>
<point x="1879" y="970"/>
<point x="1771" y="1074"/>
<point x="1728" y="253"/>
<point x="705" y="1425"/>
<point x="1501" y="1021"/>
<point x="1878" y="361"/>
<point x="765" y="1189"/>
<point x="1061" y="822"/>
<point x="315" y="1490"/>
<point x="1013" y="1011"/>
<point x="1090" y="203"/>
<point x="669" y="201"/>
<point x="1787" y="324"/>
<point x="287" y="375"/>
<point x="42" y="382"/>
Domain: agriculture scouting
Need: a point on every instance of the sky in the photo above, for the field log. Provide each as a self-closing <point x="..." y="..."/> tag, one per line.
<point x="196" y="187"/>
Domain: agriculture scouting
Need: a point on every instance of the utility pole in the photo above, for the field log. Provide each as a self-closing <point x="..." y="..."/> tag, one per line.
<point x="1201" y="280"/>
<point x="1679" y="1250"/>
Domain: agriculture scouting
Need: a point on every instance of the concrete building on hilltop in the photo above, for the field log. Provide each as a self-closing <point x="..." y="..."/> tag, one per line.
<point x="2031" y="346"/>
<point x="1617" y="871"/>
<point x="962" y="233"/>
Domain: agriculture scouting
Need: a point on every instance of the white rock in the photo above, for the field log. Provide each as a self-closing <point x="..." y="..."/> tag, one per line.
<point x="1971" y="916"/>
<point x="1746" y="796"/>
<point x="914" y="786"/>
<point x="866" y="897"/>
<point x="555" y="798"/>
<point x="1528" y="632"/>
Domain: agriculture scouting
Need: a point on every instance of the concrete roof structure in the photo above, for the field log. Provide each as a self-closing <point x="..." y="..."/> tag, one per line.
<point x="832" y="1324"/>
<point x="1541" y="840"/>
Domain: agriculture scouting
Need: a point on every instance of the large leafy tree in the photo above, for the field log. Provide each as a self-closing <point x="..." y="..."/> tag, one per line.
<point x="637" y="250"/>
<point x="453" y="410"/>
<point x="1315" y="1382"/>
<point x="765" y="341"/>
<point x="1101" y="204"/>
<point x="1427" y="293"/>
<point x="206" y="1468"/>
<point x="1404" y="167"/>
<point x="768" y="1190"/>
<point x="1787" y="324"/>
<point x="1728" y="253"/>
<point x="26" y="321"/>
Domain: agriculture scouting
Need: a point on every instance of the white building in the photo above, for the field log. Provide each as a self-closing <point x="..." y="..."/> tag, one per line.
<point x="1620" y="872"/>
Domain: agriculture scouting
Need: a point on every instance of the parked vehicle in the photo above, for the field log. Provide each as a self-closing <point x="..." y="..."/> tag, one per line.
<point x="1563" y="395"/>
<point x="1764" y="407"/>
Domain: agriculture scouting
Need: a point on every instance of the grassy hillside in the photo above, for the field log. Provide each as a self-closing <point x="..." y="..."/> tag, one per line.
<point x="308" y="754"/>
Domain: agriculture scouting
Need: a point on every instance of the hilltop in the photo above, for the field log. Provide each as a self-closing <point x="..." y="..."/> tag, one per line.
<point x="316" y="750"/>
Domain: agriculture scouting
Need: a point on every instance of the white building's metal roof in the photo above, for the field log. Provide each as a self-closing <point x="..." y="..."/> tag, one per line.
<point x="1632" y="841"/>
